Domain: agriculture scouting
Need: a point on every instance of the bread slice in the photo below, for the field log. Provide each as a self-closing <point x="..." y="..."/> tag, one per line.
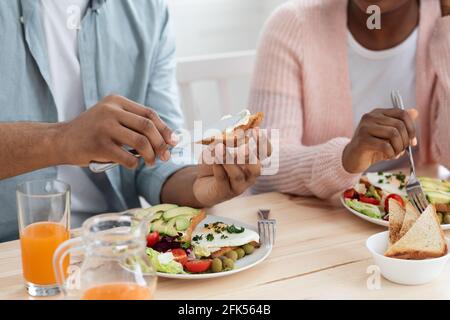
<point x="424" y="240"/>
<point x="396" y="217"/>
<point x="254" y="121"/>
<point x="411" y="216"/>
<point x="442" y="207"/>
<point x="187" y="235"/>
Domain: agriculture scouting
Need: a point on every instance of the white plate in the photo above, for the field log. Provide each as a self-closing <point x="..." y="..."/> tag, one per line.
<point x="247" y="262"/>
<point x="379" y="222"/>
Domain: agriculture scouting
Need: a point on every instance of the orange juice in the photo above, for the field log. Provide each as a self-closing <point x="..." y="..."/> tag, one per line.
<point x="39" y="242"/>
<point x="118" y="291"/>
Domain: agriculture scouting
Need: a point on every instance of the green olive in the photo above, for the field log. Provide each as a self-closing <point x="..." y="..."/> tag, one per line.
<point x="248" y="248"/>
<point x="240" y="252"/>
<point x="440" y="217"/>
<point x="232" y="255"/>
<point x="447" y="218"/>
<point x="216" y="265"/>
<point x="228" y="264"/>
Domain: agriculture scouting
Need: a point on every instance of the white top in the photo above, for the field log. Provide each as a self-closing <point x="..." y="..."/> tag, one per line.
<point x="60" y="22"/>
<point x="374" y="74"/>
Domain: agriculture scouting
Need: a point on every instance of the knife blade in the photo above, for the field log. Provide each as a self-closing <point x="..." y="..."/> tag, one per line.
<point x="227" y="122"/>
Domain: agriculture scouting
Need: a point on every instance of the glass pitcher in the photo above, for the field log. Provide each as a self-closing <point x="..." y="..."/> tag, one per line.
<point x="113" y="264"/>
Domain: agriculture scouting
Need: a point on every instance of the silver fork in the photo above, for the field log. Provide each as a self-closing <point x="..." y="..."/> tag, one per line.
<point x="266" y="228"/>
<point x="413" y="187"/>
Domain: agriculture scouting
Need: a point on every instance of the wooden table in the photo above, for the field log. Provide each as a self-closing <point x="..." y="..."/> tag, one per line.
<point x="320" y="253"/>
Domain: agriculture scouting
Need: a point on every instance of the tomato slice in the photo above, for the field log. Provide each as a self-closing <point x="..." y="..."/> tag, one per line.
<point x="394" y="196"/>
<point x="197" y="266"/>
<point x="180" y="256"/>
<point x="350" y="193"/>
<point x="152" y="239"/>
<point x="369" y="200"/>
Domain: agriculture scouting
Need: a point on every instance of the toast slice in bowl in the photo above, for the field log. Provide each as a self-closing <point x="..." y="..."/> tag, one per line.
<point x="425" y="239"/>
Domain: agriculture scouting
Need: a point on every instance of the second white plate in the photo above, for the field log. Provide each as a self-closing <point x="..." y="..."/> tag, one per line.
<point x="379" y="222"/>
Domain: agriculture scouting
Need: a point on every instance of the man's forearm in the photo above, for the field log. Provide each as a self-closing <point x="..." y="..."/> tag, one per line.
<point x="27" y="147"/>
<point x="179" y="189"/>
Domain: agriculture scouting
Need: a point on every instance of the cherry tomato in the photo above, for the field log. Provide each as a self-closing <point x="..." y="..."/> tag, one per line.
<point x="369" y="200"/>
<point x="180" y="256"/>
<point x="350" y="193"/>
<point x="396" y="197"/>
<point x="152" y="239"/>
<point x="197" y="266"/>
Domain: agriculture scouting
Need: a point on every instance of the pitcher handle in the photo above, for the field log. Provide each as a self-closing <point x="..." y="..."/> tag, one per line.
<point x="60" y="254"/>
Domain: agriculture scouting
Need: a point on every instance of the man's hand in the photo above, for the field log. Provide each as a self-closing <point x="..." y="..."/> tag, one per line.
<point x="445" y="6"/>
<point x="100" y="133"/>
<point x="382" y="134"/>
<point x="221" y="174"/>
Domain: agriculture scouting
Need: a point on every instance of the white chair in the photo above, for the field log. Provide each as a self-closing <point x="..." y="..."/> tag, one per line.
<point x="218" y="68"/>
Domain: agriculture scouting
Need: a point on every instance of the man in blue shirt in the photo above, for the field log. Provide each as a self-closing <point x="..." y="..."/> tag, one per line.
<point x="69" y="96"/>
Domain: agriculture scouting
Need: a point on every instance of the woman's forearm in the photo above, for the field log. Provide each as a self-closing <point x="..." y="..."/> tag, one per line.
<point x="27" y="147"/>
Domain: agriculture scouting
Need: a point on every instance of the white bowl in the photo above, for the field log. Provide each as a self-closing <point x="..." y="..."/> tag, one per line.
<point x="407" y="272"/>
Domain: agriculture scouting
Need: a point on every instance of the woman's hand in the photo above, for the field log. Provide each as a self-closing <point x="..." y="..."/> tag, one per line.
<point x="382" y="134"/>
<point x="445" y="6"/>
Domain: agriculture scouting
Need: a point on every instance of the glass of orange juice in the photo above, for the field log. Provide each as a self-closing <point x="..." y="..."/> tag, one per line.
<point x="44" y="223"/>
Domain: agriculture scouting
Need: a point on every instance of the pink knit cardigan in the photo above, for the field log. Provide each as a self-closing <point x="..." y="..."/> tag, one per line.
<point x="302" y="84"/>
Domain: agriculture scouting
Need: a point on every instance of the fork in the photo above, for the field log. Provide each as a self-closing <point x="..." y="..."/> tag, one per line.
<point x="266" y="228"/>
<point x="413" y="187"/>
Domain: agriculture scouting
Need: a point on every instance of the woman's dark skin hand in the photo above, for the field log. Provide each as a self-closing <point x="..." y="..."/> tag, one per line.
<point x="382" y="134"/>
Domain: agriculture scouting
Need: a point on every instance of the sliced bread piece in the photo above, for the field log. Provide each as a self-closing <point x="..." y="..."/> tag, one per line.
<point x="411" y="216"/>
<point x="424" y="240"/>
<point x="396" y="217"/>
<point x="442" y="207"/>
<point x="254" y="121"/>
<point x="187" y="235"/>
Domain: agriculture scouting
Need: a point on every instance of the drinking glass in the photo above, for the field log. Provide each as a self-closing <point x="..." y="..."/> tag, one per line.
<point x="44" y="223"/>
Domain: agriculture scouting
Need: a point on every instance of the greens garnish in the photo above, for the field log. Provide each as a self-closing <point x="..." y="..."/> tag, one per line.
<point x="186" y="245"/>
<point x="234" y="229"/>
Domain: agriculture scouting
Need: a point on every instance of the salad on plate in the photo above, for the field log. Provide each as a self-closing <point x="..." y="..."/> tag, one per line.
<point x="179" y="242"/>
<point x="371" y="195"/>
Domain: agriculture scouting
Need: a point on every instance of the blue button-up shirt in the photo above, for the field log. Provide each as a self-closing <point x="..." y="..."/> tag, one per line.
<point x="126" y="47"/>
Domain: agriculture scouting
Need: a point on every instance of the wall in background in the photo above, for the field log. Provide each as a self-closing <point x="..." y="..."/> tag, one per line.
<point x="212" y="26"/>
<point x="217" y="26"/>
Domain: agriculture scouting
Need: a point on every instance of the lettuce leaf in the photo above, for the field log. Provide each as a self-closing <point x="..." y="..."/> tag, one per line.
<point x="162" y="262"/>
